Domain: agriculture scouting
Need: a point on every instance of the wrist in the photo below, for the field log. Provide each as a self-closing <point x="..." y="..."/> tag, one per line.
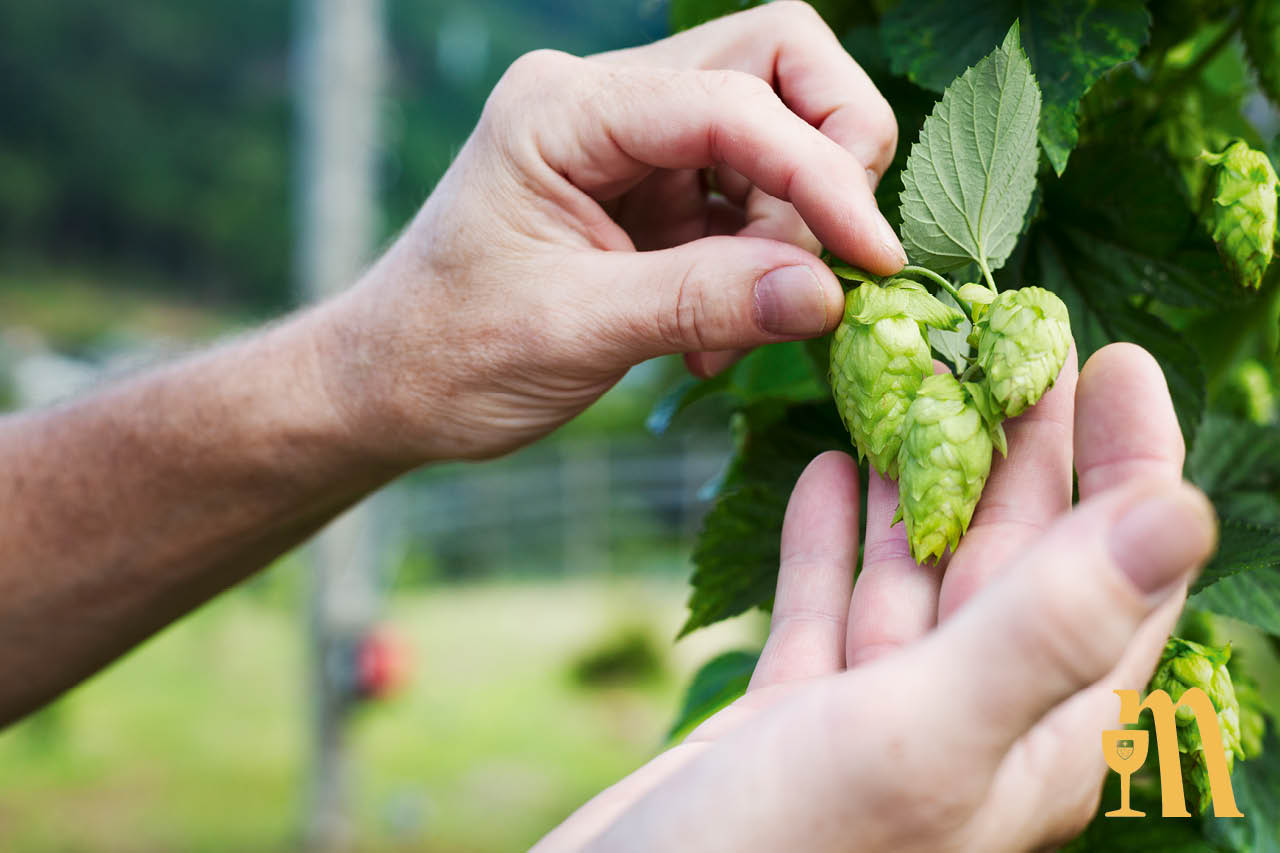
<point x="372" y="354"/>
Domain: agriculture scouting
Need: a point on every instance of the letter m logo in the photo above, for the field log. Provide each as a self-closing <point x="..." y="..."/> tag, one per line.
<point x="1163" y="711"/>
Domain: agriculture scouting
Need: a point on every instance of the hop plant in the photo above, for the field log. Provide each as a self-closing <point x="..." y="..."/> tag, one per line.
<point x="1183" y="665"/>
<point x="1253" y="719"/>
<point x="879" y="357"/>
<point x="942" y="465"/>
<point x="1023" y="338"/>
<point x="1242" y="212"/>
<point x="1261" y="33"/>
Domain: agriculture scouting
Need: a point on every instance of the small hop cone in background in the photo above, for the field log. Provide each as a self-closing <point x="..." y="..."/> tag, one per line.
<point x="1184" y="665"/>
<point x="1023" y="339"/>
<point x="942" y="466"/>
<point x="879" y="357"/>
<point x="1242" y="212"/>
<point x="1253" y="714"/>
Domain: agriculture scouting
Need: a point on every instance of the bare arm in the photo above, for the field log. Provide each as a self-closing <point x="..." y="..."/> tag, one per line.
<point x="128" y="508"/>
<point x="515" y="298"/>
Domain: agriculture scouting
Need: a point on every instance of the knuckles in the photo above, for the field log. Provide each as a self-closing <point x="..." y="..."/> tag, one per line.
<point x="532" y="73"/>
<point x="796" y="15"/>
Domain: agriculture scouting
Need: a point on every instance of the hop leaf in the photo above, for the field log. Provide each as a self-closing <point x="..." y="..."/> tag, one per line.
<point x="1023" y="340"/>
<point x="970" y="176"/>
<point x="1184" y="665"/>
<point x="1253" y="713"/>
<point x="879" y="357"/>
<point x="1261" y="33"/>
<point x="942" y="465"/>
<point x="1242" y="213"/>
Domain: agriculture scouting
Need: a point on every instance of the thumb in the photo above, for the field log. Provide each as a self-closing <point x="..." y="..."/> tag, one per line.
<point x="716" y="293"/>
<point x="1063" y="617"/>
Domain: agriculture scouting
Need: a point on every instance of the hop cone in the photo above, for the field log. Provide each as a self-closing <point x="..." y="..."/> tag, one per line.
<point x="1023" y="339"/>
<point x="1242" y="215"/>
<point x="1184" y="665"/>
<point x="942" y="466"/>
<point x="1253" y="719"/>
<point x="879" y="357"/>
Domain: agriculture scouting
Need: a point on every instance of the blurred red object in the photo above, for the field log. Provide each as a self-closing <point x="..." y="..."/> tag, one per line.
<point x="382" y="663"/>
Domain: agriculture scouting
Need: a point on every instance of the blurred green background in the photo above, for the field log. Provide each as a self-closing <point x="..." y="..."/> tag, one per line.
<point x="147" y="163"/>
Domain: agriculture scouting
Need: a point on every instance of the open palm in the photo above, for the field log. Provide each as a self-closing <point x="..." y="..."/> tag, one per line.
<point x="956" y="706"/>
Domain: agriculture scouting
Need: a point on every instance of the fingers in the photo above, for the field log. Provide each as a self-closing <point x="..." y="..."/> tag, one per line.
<point x="789" y="45"/>
<point x="895" y="600"/>
<point x="1066" y="612"/>
<point x="704" y="365"/>
<point x="1048" y="778"/>
<point x="1026" y="492"/>
<point x="718" y="293"/>
<point x="776" y="220"/>
<point x="624" y="121"/>
<point x="819" y="549"/>
<point x="1125" y="422"/>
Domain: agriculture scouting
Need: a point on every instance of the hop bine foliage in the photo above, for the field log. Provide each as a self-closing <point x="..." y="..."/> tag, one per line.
<point x="879" y="358"/>
<point x="1183" y="665"/>
<point x="943" y="464"/>
<point x="1242" y="212"/>
<point x="1023" y="338"/>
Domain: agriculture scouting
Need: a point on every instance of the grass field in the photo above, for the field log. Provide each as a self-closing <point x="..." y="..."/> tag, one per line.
<point x="197" y="741"/>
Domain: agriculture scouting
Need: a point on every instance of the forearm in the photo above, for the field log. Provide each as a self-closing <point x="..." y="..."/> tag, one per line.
<point x="126" y="509"/>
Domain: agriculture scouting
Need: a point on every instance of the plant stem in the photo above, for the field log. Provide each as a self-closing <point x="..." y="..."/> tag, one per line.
<point x="986" y="274"/>
<point x="941" y="282"/>
<point x="969" y="371"/>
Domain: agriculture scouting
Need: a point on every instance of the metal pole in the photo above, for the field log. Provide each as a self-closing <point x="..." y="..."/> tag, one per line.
<point x="339" y="73"/>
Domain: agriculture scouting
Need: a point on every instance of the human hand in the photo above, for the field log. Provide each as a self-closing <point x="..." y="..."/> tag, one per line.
<point x="574" y="235"/>
<point x="950" y="707"/>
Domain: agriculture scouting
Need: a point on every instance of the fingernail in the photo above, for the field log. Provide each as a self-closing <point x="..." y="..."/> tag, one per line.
<point x="889" y="239"/>
<point x="790" y="301"/>
<point x="1162" y="537"/>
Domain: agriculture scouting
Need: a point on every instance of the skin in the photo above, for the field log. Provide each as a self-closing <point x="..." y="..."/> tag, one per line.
<point x="572" y="238"/>
<point x="949" y="707"/>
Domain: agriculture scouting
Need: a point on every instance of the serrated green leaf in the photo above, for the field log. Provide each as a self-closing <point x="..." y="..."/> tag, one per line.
<point x="970" y="177"/>
<point x="1100" y="316"/>
<point x="736" y="556"/>
<point x="1061" y="253"/>
<point x="1256" y="785"/>
<point x="719" y="682"/>
<point x="1243" y="546"/>
<point x="1130" y="225"/>
<point x="1071" y="43"/>
<point x="1235" y="455"/>
<point x="1252" y="597"/>
<point x="783" y="372"/>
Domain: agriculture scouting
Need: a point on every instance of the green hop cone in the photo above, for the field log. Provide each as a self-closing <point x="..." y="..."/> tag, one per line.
<point x="879" y="357"/>
<point x="1023" y="339"/>
<point x="1242" y="212"/>
<point x="1184" y="665"/>
<point x="1253" y="715"/>
<point x="943" y="465"/>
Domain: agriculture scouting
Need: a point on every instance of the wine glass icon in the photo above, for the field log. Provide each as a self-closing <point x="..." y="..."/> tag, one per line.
<point x="1125" y="750"/>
